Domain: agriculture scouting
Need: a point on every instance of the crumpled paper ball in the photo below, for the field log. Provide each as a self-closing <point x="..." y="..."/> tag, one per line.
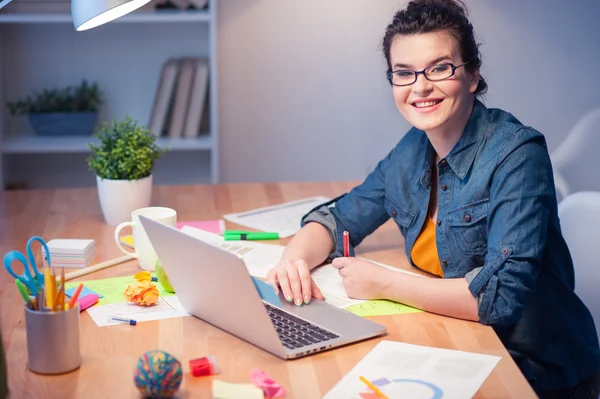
<point x="142" y="291"/>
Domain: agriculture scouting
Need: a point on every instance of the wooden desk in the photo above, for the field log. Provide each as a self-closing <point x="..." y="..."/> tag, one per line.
<point x="110" y="353"/>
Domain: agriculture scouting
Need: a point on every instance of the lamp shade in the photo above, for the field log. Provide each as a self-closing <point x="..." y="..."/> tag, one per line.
<point x="88" y="14"/>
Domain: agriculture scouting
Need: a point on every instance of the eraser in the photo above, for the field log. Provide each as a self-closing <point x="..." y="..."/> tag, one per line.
<point x="204" y="366"/>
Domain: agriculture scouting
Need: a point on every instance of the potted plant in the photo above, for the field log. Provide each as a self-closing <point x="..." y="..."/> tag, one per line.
<point x="123" y="162"/>
<point x="72" y="110"/>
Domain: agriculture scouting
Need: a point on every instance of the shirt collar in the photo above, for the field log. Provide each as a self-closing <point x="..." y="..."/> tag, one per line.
<point x="462" y="155"/>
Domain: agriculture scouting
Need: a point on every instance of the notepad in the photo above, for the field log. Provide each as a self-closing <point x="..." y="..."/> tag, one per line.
<point x="84" y="291"/>
<point x="228" y="390"/>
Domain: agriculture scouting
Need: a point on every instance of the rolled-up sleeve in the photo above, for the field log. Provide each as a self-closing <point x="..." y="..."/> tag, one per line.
<point x="520" y="200"/>
<point x="359" y="212"/>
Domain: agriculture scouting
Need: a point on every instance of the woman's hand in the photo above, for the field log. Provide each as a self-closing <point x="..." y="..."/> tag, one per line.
<point x="293" y="277"/>
<point x="362" y="279"/>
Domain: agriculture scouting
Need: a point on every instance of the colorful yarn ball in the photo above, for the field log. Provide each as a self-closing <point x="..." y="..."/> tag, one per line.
<point x="157" y="374"/>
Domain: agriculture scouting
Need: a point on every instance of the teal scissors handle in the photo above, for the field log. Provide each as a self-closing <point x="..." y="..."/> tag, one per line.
<point x="26" y="278"/>
<point x="38" y="276"/>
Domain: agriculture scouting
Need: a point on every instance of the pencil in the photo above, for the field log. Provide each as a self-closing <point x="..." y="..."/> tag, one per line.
<point x="346" y="244"/>
<point x="73" y="300"/>
<point x="62" y="283"/>
<point x="373" y="388"/>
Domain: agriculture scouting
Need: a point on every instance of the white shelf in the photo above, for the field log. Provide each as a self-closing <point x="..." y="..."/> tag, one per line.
<point x="141" y="16"/>
<point x="29" y="144"/>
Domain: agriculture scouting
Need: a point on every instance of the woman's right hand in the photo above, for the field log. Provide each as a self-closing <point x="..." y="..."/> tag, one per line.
<point x="293" y="278"/>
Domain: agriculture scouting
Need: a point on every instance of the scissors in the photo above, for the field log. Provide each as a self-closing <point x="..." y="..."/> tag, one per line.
<point x="32" y="280"/>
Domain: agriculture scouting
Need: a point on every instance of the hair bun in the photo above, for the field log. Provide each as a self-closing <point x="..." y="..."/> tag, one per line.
<point x="456" y="6"/>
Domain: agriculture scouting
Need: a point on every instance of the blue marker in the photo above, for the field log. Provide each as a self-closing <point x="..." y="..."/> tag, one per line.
<point x="131" y="322"/>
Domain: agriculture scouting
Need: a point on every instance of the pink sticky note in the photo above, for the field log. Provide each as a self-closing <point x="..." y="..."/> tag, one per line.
<point x="212" y="226"/>
<point x="268" y="386"/>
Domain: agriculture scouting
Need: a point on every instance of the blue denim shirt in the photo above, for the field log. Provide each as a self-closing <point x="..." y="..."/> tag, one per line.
<point x="497" y="227"/>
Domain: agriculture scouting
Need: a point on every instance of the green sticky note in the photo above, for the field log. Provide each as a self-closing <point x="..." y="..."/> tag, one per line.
<point x="380" y="307"/>
<point x="112" y="288"/>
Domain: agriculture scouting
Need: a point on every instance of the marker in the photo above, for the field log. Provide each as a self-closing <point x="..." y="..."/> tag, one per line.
<point x="346" y="244"/>
<point x="232" y="235"/>
<point x="131" y="322"/>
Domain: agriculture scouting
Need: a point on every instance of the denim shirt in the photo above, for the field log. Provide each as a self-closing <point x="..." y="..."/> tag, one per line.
<point x="497" y="227"/>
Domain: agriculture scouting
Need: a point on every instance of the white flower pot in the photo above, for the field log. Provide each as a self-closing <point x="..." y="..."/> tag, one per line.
<point x="118" y="198"/>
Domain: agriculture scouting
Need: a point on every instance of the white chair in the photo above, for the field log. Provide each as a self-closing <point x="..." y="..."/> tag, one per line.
<point x="575" y="160"/>
<point x="580" y="219"/>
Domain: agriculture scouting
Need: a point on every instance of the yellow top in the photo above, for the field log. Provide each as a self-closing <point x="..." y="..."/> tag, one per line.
<point x="424" y="253"/>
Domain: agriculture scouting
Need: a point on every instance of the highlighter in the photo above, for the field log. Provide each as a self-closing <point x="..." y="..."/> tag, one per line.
<point x="87" y="301"/>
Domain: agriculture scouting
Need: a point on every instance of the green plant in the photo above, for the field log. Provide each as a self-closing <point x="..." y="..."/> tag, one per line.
<point x="84" y="97"/>
<point x="126" y="151"/>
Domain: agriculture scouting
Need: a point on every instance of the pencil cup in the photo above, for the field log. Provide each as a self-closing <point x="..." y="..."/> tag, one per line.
<point x="53" y="341"/>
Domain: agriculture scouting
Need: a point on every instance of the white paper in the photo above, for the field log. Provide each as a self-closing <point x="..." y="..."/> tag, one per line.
<point x="283" y="218"/>
<point x="258" y="257"/>
<point x="330" y="283"/>
<point x="167" y="307"/>
<point x="402" y="370"/>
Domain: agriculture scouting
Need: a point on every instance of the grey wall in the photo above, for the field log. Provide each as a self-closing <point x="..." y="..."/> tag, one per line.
<point x="303" y="95"/>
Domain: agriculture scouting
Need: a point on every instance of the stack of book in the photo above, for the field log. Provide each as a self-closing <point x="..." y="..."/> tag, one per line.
<point x="181" y="106"/>
<point x="70" y="252"/>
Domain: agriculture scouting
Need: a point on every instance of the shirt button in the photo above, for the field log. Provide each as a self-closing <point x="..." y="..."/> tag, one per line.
<point x="504" y="251"/>
<point x="444" y="187"/>
<point x="444" y="262"/>
<point x="394" y="213"/>
<point x="444" y="162"/>
<point x="467" y="218"/>
<point x="439" y="222"/>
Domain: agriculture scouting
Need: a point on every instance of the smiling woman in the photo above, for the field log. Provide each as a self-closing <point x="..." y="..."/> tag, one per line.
<point x="471" y="190"/>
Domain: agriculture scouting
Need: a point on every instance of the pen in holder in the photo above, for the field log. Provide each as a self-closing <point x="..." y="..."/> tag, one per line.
<point x="53" y="340"/>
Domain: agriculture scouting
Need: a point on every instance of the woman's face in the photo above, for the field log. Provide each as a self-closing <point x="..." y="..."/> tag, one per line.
<point x="435" y="107"/>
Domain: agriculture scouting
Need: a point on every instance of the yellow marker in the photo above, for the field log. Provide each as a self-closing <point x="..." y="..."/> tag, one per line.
<point x="374" y="388"/>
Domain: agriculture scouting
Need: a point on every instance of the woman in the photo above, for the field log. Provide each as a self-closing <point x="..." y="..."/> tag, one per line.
<point x="471" y="190"/>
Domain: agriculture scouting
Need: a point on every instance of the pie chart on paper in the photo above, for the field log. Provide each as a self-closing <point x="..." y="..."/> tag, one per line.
<point x="404" y="388"/>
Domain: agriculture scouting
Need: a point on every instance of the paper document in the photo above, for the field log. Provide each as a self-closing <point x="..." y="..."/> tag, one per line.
<point x="166" y="308"/>
<point x="402" y="370"/>
<point x="258" y="257"/>
<point x="329" y="281"/>
<point x="283" y="218"/>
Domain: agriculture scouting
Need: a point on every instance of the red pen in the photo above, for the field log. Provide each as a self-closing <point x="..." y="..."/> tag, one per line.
<point x="346" y="244"/>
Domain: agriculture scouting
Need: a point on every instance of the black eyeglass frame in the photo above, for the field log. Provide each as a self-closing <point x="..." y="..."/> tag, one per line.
<point x="422" y="72"/>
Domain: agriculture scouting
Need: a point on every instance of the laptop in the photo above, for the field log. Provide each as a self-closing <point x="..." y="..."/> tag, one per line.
<point x="214" y="285"/>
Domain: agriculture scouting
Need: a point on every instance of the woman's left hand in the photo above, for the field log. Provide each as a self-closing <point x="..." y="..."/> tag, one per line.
<point x="362" y="279"/>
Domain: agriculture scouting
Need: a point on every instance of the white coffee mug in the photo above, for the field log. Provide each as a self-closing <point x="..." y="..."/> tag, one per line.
<point x="143" y="250"/>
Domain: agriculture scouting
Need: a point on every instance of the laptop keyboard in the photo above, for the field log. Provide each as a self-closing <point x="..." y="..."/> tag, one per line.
<point x="294" y="332"/>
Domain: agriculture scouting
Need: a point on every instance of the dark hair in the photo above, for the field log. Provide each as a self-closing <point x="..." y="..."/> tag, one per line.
<point x="424" y="16"/>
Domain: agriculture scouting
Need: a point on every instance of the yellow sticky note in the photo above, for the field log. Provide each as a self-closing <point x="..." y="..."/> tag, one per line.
<point x="228" y="390"/>
<point x="380" y="307"/>
<point x="127" y="241"/>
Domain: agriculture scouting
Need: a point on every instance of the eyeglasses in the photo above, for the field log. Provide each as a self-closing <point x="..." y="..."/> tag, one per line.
<point x="433" y="73"/>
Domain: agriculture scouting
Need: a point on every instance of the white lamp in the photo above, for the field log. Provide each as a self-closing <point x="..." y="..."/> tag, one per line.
<point x="88" y="14"/>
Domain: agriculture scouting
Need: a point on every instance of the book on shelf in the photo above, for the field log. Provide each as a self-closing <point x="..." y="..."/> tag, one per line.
<point x="162" y="98"/>
<point x="181" y="104"/>
<point x="198" y="98"/>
